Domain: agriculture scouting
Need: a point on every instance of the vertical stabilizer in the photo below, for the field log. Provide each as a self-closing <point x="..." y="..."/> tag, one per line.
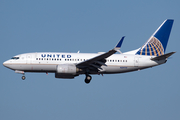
<point x="156" y="45"/>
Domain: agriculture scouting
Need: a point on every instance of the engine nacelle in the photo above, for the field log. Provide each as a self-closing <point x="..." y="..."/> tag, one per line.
<point x="67" y="69"/>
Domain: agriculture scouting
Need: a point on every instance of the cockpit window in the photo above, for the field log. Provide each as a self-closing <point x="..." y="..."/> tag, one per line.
<point x="15" y="58"/>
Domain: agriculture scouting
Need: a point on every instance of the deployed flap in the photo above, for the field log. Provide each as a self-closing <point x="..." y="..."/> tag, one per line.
<point x="162" y="57"/>
<point x="101" y="57"/>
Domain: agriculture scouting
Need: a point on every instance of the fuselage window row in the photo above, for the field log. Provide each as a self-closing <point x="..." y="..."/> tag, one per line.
<point x="77" y="59"/>
<point x="60" y="59"/>
<point x="116" y="60"/>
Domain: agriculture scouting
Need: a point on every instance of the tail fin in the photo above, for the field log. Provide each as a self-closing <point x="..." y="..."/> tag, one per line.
<point x="156" y="45"/>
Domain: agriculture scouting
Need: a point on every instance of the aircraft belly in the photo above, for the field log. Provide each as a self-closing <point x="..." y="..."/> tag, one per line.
<point x="35" y="68"/>
<point x="119" y="69"/>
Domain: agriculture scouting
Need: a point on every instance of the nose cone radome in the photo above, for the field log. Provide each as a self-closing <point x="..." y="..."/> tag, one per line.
<point x="6" y="64"/>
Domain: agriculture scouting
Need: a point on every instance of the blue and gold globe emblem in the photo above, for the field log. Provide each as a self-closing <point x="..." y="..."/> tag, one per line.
<point x="152" y="47"/>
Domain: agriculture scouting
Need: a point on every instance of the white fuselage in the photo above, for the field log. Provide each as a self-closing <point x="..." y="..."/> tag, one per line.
<point x="70" y="65"/>
<point x="48" y="62"/>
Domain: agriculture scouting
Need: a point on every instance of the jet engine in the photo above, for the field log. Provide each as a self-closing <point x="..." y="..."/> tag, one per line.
<point x="66" y="71"/>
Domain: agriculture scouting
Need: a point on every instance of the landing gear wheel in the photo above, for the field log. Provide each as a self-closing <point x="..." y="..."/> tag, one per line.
<point x="88" y="79"/>
<point x="23" y="77"/>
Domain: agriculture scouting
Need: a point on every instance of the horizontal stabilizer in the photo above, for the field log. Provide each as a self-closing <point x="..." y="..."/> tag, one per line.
<point x="162" y="57"/>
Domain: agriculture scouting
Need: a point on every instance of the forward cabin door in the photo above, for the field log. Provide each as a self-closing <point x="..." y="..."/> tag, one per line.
<point x="28" y="59"/>
<point x="28" y="65"/>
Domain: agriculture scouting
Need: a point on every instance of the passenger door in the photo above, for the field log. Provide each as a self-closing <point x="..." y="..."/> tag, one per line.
<point x="28" y="59"/>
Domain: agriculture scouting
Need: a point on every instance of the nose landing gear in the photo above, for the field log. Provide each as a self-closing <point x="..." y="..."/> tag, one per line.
<point x="21" y="72"/>
<point x="23" y="77"/>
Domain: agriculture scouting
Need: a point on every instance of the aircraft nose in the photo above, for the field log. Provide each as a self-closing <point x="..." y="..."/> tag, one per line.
<point x="5" y="63"/>
<point x="8" y="64"/>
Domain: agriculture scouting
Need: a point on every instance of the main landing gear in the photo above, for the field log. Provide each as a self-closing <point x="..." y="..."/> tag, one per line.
<point x="88" y="79"/>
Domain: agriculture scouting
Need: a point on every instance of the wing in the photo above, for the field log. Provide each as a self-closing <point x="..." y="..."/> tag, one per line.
<point x="100" y="60"/>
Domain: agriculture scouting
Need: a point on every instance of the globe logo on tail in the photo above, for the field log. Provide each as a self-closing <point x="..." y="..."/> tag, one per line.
<point x="153" y="47"/>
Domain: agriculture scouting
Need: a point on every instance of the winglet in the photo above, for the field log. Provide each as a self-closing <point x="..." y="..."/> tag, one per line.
<point x="118" y="46"/>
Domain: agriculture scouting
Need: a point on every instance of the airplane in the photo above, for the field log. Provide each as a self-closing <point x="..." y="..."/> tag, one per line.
<point x="70" y="65"/>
